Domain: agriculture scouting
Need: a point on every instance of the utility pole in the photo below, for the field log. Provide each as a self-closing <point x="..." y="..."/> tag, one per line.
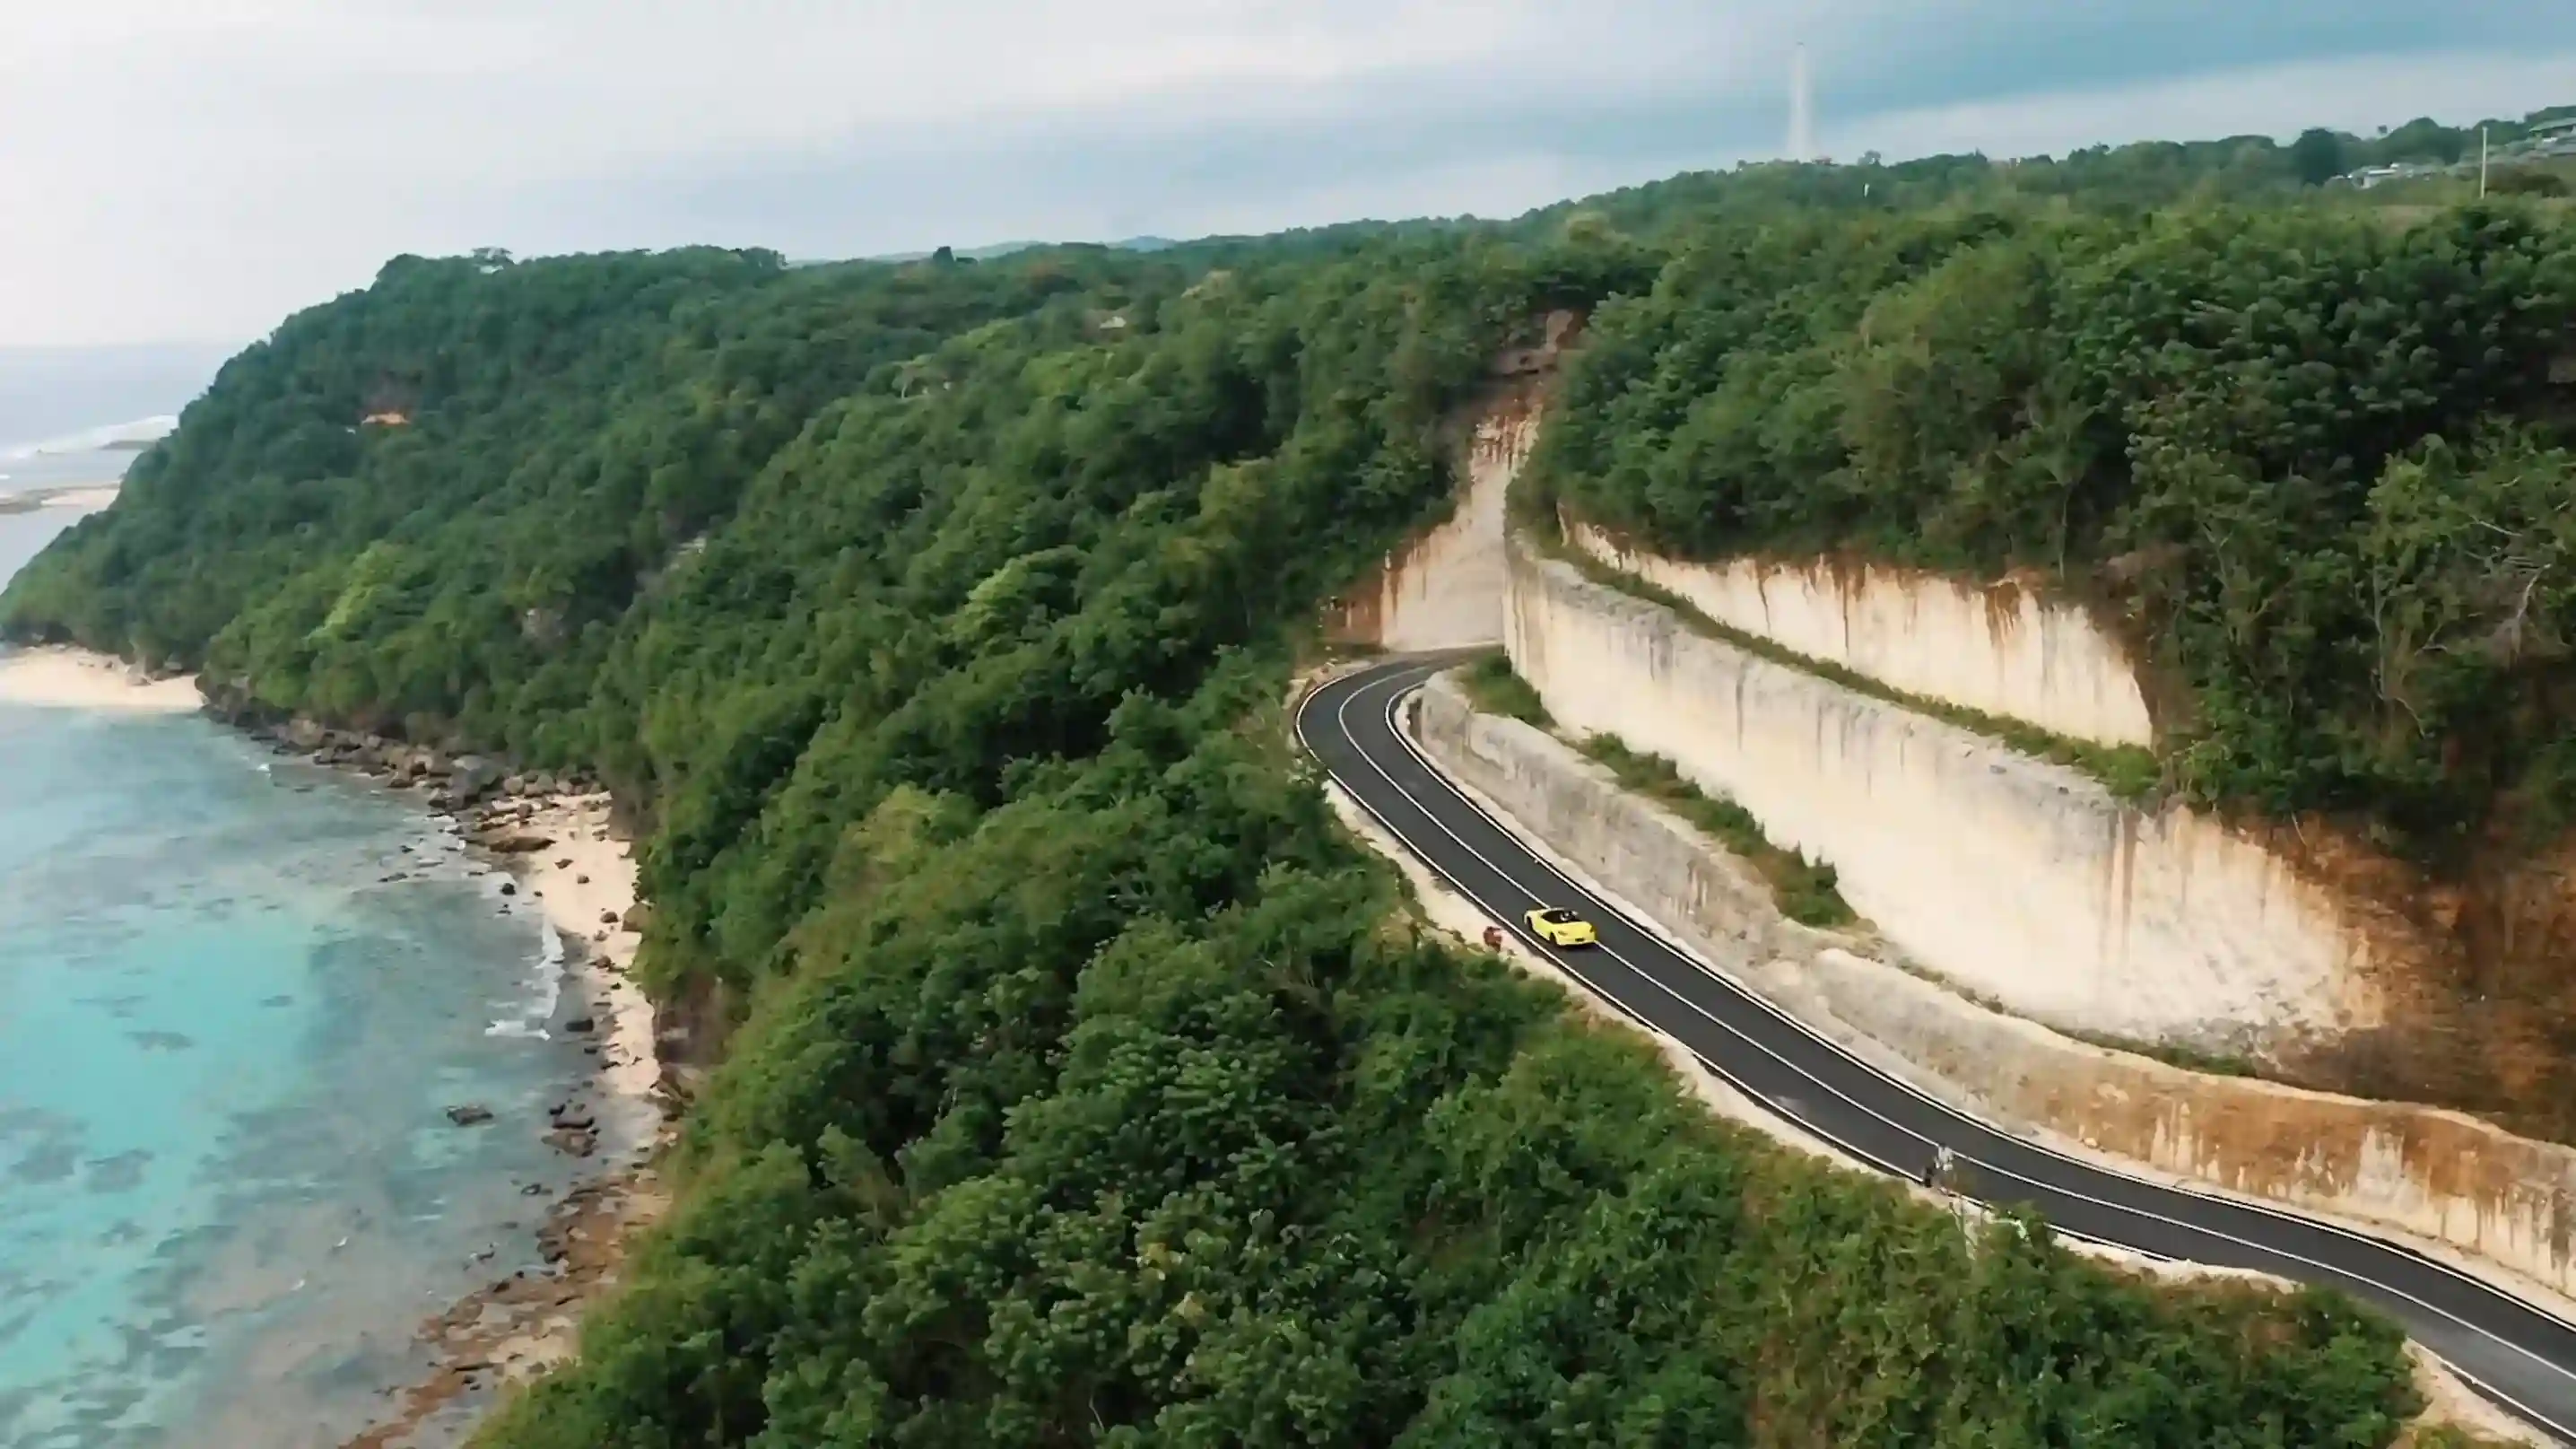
<point x="1802" y="126"/>
<point x="2482" y="163"/>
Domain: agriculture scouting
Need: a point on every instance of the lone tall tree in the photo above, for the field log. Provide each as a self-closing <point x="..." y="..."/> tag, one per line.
<point x="2317" y="156"/>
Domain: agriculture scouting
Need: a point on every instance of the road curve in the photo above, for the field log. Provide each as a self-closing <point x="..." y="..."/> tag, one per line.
<point x="2512" y="1351"/>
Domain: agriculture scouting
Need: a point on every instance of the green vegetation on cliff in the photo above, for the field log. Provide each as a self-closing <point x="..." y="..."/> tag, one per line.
<point x="1093" y="1089"/>
<point x="2320" y="461"/>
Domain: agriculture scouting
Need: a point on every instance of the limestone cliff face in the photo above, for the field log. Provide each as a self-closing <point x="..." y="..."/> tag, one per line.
<point x="1444" y="589"/>
<point x="2440" y="1176"/>
<point x="2021" y="881"/>
<point x="2002" y="650"/>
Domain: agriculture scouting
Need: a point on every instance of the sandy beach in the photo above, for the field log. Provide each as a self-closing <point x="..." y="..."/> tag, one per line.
<point x="86" y="497"/>
<point x="79" y="497"/>
<point x="584" y="879"/>
<point x="58" y="677"/>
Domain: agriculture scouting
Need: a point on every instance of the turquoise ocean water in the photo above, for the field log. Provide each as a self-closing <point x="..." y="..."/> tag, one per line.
<point x="228" y="1190"/>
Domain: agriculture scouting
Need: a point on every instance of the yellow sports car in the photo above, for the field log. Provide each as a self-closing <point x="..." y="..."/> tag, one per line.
<point x="1558" y="926"/>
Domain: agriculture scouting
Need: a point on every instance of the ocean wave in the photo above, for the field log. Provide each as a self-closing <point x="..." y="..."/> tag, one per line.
<point x="91" y="440"/>
<point x="532" y="1012"/>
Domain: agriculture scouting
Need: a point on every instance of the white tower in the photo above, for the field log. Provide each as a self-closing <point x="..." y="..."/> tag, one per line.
<point x="1802" y="125"/>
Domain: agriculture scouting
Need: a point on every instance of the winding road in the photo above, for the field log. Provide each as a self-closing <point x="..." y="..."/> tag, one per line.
<point x="2514" y="1352"/>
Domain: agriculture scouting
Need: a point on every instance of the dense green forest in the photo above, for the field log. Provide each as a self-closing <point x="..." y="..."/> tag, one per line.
<point x="2100" y="179"/>
<point x="933" y="619"/>
<point x="2319" y="460"/>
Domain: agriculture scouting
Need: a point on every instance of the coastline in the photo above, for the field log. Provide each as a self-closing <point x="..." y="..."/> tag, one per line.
<point x="87" y="497"/>
<point x="56" y="676"/>
<point x="555" y="839"/>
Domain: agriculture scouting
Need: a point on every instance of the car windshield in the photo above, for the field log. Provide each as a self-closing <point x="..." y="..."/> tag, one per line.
<point x="1557" y="917"/>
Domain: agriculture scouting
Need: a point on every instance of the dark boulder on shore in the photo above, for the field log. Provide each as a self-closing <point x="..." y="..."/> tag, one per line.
<point x="472" y="777"/>
<point x="469" y="1114"/>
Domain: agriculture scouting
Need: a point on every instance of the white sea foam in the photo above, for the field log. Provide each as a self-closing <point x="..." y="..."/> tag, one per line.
<point x="544" y="992"/>
<point x="91" y="440"/>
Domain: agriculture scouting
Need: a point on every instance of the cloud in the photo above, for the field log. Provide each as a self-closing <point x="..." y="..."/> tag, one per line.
<point x="199" y="167"/>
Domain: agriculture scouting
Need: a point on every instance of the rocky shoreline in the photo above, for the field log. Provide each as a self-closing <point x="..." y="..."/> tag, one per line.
<point x="552" y="834"/>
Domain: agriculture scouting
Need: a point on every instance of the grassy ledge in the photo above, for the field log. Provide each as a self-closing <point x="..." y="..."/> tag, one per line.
<point x="1804" y="889"/>
<point x="1496" y="689"/>
<point x="2131" y="773"/>
<point x="2174" y="1054"/>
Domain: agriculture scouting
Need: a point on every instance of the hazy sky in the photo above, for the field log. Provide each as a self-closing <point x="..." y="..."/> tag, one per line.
<point x="198" y="168"/>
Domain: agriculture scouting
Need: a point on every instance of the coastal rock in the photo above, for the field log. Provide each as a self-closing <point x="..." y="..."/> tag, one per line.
<point x="637" y="917"/>
<point x="472" y="777"/>
<point x="509" y="888"/>
<point x="579" y="1024"/>
<point x="608" y="918"/>
<point x="516" y="843"/>
<point x="469" y="1114"/>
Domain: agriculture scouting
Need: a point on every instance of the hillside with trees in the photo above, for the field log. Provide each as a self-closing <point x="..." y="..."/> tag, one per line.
<point x="2316" y="464"/>
<point x="933" y="621"/>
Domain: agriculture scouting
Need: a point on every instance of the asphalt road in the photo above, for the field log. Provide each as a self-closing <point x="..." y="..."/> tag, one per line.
<point x="2510" y="1350"/>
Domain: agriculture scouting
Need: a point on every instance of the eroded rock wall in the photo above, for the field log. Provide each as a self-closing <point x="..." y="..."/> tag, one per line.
<point x="2000" y="649"/>
<point x="1444" y="589"/>
<point x="2020" y="881"/>
<point x="2438" y="1175"/>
